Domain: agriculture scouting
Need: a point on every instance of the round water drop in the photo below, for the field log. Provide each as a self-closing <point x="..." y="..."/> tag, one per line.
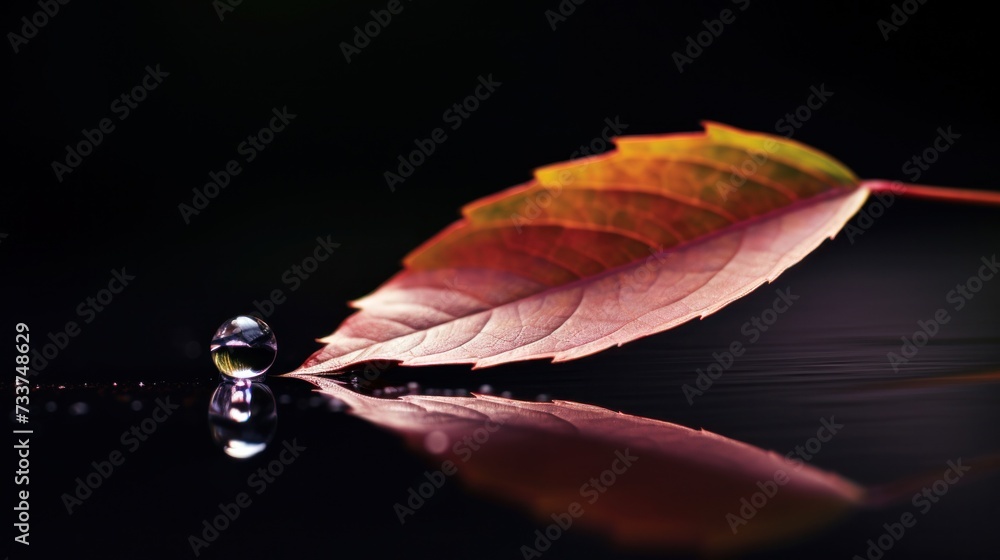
<point x="243" y="348"/>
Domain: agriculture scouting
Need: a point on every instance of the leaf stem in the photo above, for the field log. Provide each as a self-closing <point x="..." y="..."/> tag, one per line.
<point x="971" y="196"/>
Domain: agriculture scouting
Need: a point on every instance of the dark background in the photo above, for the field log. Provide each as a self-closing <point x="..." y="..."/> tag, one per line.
<point x="323" y="176"/>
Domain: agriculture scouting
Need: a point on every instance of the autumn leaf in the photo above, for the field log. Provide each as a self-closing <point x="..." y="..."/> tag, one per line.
<point x="598" y="252"/>
<point x="666" y="487"/>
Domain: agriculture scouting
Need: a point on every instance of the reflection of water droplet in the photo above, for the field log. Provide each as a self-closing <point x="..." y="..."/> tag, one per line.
<point x="136" y="405"/>
<point x="243" y="348"/>
<point x="243" y="418"/>
<point x="542" y="397"/>
<point x="485" y="389"/>
<point x="51" y="407"/>
<point x="79" y="409"/>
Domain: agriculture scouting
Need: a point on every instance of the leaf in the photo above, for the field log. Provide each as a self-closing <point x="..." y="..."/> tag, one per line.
<point x="599" y="252"/>
<point x="682" y="489"/>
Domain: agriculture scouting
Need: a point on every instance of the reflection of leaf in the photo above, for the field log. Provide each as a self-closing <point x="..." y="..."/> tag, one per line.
<point x="978" y="378"/>
<point x="676" y="494"/>
<point x="599" y="252"/>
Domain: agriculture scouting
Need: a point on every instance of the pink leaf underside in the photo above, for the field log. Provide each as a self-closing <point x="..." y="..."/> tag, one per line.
<point x="488" y="317"/>
<point x="675" y="495"/>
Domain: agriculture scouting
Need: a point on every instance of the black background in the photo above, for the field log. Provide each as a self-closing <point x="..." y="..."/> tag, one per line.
<point x="323" y="176"/>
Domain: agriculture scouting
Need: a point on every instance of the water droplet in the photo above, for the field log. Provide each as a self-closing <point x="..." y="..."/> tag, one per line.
<point x="243" y="348"/>
<point x="243" y="418"/>
<point x="336" y="405"/>
<point x="79" y="409"/>
<point x="192" y="349"/>
<point x="436" y="442"/>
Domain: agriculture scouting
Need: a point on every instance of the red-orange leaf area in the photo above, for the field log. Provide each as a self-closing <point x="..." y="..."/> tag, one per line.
<point x="597" y="252"/>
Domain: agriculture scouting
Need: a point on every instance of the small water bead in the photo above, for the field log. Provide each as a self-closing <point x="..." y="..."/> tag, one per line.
<point x="79" y="409"/>
<point x="244" y="348"/>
